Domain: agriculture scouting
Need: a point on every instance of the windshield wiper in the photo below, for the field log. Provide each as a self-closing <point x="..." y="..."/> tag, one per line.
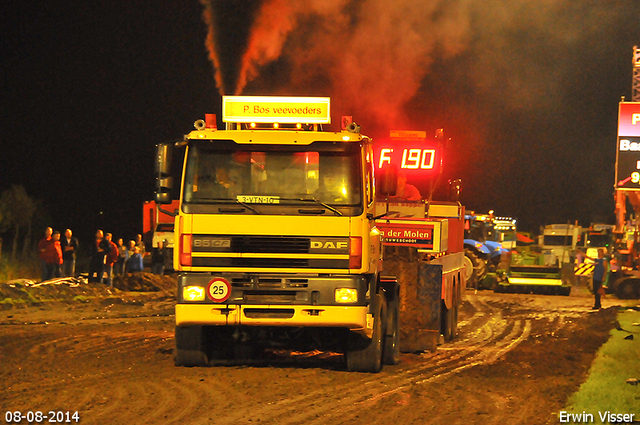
<point x="322" y="204"/>
<point x="247" y="206"/>
<point x="225" y="201"/>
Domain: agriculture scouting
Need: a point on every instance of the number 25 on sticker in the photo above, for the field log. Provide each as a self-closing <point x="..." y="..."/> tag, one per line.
<point x="219" y="289"/>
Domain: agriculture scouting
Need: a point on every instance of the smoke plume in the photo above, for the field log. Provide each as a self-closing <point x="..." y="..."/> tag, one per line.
<point x="374" y="56"/>
<point x="518" y="82"/>
<point x="371" y="54"/>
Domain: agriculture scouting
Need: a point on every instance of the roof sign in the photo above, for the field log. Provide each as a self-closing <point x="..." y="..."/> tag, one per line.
<point x="275" y="109"/>
<point x="403" y="134"/>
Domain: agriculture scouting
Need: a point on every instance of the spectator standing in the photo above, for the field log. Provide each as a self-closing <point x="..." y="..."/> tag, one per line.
<point x="69" y="246"/>
<point x="134" y="263"/>
<point x="600" y="275"/>
<point x="132" y="246"/>
<point x="110" y="260"/>
<point x="53" y="257"/>
<point x="140" y="244"/>
<point x="123" y="256"/>
<point x="99" y="250"/>
<point x="42" y="250"/>
<point x="158" y="259"/>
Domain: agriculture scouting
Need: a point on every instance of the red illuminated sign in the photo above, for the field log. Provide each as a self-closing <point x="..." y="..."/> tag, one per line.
<point x="411" y="159"/>
<point x="408" y="158"/>
<point x="629" y="119"/>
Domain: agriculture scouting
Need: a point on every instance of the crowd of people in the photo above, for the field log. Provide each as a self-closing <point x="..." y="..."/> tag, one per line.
<point x="106" y="258"/>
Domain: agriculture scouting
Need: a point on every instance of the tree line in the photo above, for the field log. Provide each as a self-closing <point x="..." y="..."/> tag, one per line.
<point x="18" y="214"/>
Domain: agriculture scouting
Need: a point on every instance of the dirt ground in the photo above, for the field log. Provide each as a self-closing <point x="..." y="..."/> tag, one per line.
<point x="108" y="354"/>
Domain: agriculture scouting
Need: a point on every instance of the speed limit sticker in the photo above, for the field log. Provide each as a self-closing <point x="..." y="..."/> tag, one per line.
<point x="219" y="290"/>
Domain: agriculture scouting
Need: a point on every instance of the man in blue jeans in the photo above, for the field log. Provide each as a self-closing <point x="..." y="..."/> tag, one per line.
<point x="599" y="275"/>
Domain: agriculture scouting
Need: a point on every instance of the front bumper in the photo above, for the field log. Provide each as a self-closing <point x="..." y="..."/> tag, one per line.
<point x="277" y="299"/>
<point x="351" y="317"/>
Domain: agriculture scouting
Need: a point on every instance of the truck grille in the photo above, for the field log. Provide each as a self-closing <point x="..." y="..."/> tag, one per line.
<point x="270" y="244"/>
<point x="275" y="297"/>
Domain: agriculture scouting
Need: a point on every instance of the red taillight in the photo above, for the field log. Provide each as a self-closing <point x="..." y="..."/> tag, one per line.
<point x="355" y="253"/>
<point x="185" y="250"/>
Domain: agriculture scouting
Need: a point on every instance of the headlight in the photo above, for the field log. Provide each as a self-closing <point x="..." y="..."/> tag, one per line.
<point x="193" y="293"/>
<point x="346" y="295"/>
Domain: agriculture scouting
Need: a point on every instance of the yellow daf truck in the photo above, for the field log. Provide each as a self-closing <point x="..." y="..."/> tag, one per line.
<point x="276" y="239"/>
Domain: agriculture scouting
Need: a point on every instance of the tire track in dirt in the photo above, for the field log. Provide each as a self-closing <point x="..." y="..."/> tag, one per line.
<point x="487" y="344"/>
<point x="102" y="342"/>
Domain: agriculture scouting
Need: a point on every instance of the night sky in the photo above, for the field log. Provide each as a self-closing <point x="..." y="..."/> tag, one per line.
<point x="527" y="91"/>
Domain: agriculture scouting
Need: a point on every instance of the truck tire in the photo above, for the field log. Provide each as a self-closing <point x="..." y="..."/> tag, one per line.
<point x="627" y="289"/>
<point x="565" y="290"/>
<point x="190" y="346"/>
<point x="363" y="354"/>
<point x="391" y="352"/>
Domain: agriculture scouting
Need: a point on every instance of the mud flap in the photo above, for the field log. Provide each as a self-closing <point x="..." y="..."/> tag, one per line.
<point x="420" y="298"/>
<point x="420" y="320"/>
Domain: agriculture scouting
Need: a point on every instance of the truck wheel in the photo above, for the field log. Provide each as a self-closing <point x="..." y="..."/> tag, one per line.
<point x="565" y="290"/>
<point x="627" y="289"/>
<point x="363" y="354"/>
<point x="190" y="346"/>
<point x="391" y="352"/>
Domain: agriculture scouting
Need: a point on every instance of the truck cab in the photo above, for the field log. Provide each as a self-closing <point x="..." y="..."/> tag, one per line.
<point x="275" y="237"/>
<point x="279" y="242"/>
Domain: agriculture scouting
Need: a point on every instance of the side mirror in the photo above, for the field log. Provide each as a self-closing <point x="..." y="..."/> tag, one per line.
<point x="164" y="180"/>
<point x="387" y="181"/>
<point x="163" y="198"/>
<point x="164" y="155"/>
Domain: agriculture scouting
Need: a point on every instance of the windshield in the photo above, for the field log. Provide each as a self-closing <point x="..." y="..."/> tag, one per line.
<point x="223" y="171"/>
<point x="557" y="240"/>
<point x="480" y="231"/>
<point x="598" y="240"/>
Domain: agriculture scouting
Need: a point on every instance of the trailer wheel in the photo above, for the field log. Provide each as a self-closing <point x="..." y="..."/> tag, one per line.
<point x="363" y="354"/>
<point x="454" y="321"/>
<point x="447" y="317"/>
<point x="391" y="352"/>
<point x="190" y="346"/>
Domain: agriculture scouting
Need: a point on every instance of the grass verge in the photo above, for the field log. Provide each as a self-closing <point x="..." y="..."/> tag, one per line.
<point x="606" y="389"/>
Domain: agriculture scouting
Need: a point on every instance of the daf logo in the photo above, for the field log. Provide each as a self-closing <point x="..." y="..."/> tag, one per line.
<point x="329" y="245"/>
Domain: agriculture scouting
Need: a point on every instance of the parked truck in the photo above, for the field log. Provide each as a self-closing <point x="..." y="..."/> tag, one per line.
<point x="548" y="268"/>
<point x="279" y="241"/>
<point x="157" y="226"/>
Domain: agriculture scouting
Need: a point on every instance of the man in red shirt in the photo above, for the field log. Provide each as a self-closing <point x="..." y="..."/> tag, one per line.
<point x="111" y="259"/>
<point x="42" y="249"/>
<point x="406" y="191"/>
<point x="53" y="257"/>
